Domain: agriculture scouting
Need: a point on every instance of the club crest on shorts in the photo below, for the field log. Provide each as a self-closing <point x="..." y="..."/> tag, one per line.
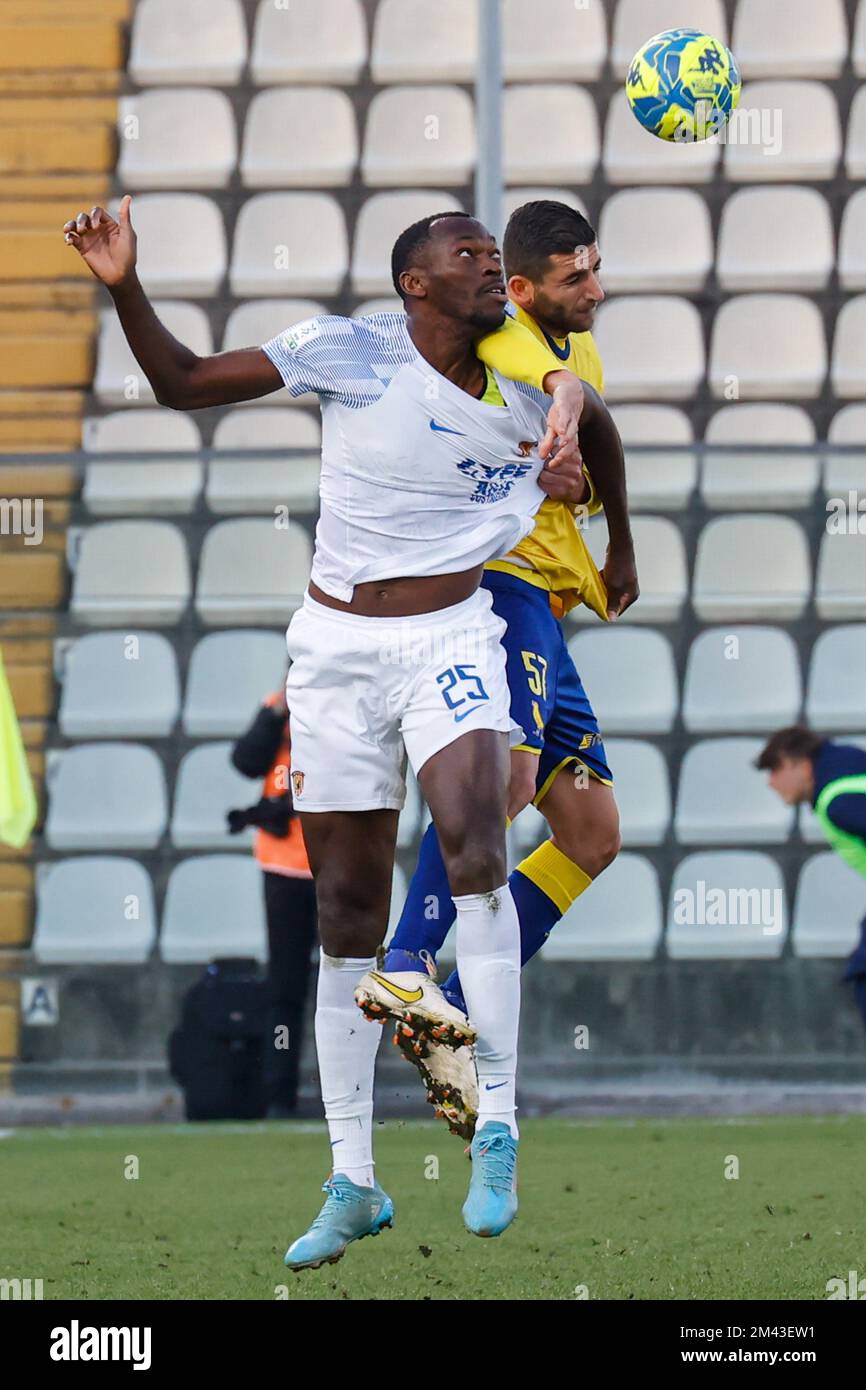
<point x="297" y="783"/>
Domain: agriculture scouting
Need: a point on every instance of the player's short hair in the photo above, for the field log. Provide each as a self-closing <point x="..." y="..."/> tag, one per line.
<point x="409" y="243"/>
<point x="797" y="741"/>
<point x="536" y="231"/>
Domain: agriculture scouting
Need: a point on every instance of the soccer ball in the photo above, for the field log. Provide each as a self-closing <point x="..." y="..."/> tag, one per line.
<point x="683" y="85"/>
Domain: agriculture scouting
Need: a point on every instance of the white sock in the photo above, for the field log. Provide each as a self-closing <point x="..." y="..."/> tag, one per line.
<point x="346" y="1044"/>
<point x="488" y="961"/>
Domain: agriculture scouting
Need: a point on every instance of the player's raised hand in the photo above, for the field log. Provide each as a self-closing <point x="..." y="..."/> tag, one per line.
<point x="108" y="246"/>
<point x="559" y="444"/>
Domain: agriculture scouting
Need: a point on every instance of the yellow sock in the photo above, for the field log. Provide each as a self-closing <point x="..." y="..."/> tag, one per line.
<point x="558" y="877"/>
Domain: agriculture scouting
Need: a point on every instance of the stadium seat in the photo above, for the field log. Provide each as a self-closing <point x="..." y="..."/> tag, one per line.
<point x="657" y="478"/>
<point x="570" y="148"/>
<point x="419" y="135"/>
<point x="309" y="41"/>
<point x="274" y="252"/>
<point x="188" y="41"/>
<point x="858" y="48"/>
<point x="303" y="137"/>
<point x="94" y="910"/>
<point x="553" y="41"/>
<point x="181" y="244"/>
<point x="105" y="796"/>
<point x="119" y="380"/>
<point x="652" y="346"/>
<point x="119" y="685"/>
<point x="840" y="578"/>
<point x="749" y="567"/>
<point x="845" y="471"/>
<point x="126" y="488"/>
<point x="787" y="359"/>
<point x="848" y="370"/>
<point x="637" y="20"/>
<point x="252" y="571"/>
<point x="263" y="485"/>
<point x="661" y="563"/>
<point x="176" y="138"/>
<point x="230" y="674"/>
<point x="852" y="243"/>
<point x="268" y="427"/>
<point x="214" y="907"/>
<point x="837" y="679"/>
<point x="630" y="678"/>
<point x="643" y="790"/>
<point x="783" y="131"/>
<point x="513" y="198"/>
<point x="745" y="890"/>
<point x="805" y="44"/>
<point x="745" y="679"/>
<point x="134" y="571"/>
<point x="121" y="431"/>
<point x="749" y="259"/>
<point x="207" y="788"/>
<point x="414" y="41"/>
<point x="666" y="217"/>
<point x="855" y="146"/>
<point x="380" y="221"/>
<point x="254" y="323"/>
<point x="633" y="155"/>
<point x="757" y="479"/>
<point x="827" y="908"/>
<point x="724" y="800"/>
<point x="382" y="305"/>
<point x="619" y="919"/>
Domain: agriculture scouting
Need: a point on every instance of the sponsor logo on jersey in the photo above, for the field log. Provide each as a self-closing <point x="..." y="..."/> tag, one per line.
<point x="494" y="481"/>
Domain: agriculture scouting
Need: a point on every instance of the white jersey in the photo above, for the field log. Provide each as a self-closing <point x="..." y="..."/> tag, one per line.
<point x="418" y="477"/>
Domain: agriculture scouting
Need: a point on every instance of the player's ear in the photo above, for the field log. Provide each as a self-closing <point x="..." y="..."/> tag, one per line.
<point x="521" y="291"/>
<point x="413" y="283"/>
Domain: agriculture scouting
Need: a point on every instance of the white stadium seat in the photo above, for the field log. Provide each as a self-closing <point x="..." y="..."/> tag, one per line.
<point x="787" y="359"/>
<point x="858" y="49"/>
<point x="214" y="907"/>
<point x="806" y="43"/>
<point x="569" y="150"/>
<point x="268" y="427"/>
<point x="252" y="571"/>
<point x="181" y="244"/>
<point x="383" y="305"/>
<point x="380" y="221"/>
<point x="852" y="243"/>
<point x="755" y="479"/>
<point x="837" y="679"/>
<point x="188" y="41"/>
<point x="665" y="217"/>
<point x="259" y="320"/>
<point x="724" y="800"/>
<point x="782" y="131"/>
<point x="727" y="905"/>
<point x="119" y="380"/>
<point x="749" y="567"/>
<point x="630" y="677"/>
<point x="275" y="252"/>
<point x="230" y="674"/>
<point x="652" y="346"/>
<point x="620" y="919"/>
<point x="744" y="679"/>
<point x="657" y="478"/>
<point x="133" y="571"/>
<point x="513" y="198"/>
<point x="845" y="471"/>
<point x="105" y="796"/>
<point x="790" y="259"/>
<point x="119" y="685"/>
<point x="262" y="485"/>
<point x="661" y="565"/>
<point x="848" y="369"/>
<point x="207" y="788"/>
<point x="123" y="488"/>
<point x="637" y="20"/>
<point x="633" y="155"/>
<point x="309" y="41"/>
<point x="121" y="431"/>
<point x="414" y="41"/>
<point x="94" y="910"/>
<point x="827" y="909"/>
<point x="643" y="790"/>
<point x="303" y="137"/>
<point x="855" y="144"/>
<point x="553" y="41"/>
<point x="179" y="137"/>
<point x="840" y="579"/>
<point x="419" y="135"/>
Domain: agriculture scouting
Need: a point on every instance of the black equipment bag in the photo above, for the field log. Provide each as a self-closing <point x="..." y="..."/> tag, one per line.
<point x="215" y="1055"/>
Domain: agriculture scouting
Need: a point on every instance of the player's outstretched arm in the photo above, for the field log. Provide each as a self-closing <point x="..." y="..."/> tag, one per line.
<point x="605" y="463"/>
<point x="180" y="379"/>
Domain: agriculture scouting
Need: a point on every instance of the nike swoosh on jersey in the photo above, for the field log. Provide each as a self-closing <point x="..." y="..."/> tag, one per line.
<point x="443" y="429"/>
<point x="408" y="996"/>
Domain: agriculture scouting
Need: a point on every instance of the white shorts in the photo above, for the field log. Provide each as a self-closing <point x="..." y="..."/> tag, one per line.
<point x="365" y="692"/>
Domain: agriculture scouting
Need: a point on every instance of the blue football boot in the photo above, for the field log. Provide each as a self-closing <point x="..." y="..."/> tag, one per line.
<point x="491" y="1205"/>
<point x="350" y="1213"/>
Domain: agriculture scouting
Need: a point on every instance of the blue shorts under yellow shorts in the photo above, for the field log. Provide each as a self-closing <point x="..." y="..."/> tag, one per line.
<point x="548" y="700"/>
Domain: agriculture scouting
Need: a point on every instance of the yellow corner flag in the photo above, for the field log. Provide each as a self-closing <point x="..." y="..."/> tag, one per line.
<point x="17" y="797"/>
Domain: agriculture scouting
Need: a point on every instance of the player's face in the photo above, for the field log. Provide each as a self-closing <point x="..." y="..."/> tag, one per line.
<point x="793" y="780"/>
<point x="464" y="278"/>
<point x="566" y="299"/>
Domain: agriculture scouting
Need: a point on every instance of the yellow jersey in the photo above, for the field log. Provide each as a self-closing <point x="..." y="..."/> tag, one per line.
<point x="554" y="556"/>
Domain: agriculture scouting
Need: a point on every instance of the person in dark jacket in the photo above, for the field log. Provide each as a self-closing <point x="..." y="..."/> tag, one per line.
<point x="290" y="896"/>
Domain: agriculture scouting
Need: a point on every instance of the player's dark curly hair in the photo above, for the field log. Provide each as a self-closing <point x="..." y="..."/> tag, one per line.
<point x="794" y="742"/>
<point x="536" y="231"/>
<point x="409" y="243"/>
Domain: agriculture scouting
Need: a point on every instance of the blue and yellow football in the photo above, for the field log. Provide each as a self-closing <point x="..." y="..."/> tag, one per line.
<point x="683" y="85"/>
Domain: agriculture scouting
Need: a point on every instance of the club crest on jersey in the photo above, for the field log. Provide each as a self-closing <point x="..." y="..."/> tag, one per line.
<point x="493" y="482"/>
<point x="297" y="783"/>
<point x="526" y="447"/>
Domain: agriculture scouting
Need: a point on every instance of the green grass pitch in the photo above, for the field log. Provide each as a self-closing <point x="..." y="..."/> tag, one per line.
<point x="608" y="1209"/>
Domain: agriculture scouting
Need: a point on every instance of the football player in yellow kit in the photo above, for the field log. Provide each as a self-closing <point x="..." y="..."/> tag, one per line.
<point x="552" y="265"/>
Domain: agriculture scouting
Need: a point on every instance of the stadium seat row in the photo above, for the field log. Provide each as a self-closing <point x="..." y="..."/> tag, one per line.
<point x="723" y="905"/>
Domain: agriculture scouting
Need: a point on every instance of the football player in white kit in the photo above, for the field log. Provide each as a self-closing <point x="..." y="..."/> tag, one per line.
<point x="430" y="466"/>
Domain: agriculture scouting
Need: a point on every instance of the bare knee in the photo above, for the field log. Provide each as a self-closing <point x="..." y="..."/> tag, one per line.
<point x="476" y="864"/>
<point x="352" y="916"/>
<point x="594" y="849"/>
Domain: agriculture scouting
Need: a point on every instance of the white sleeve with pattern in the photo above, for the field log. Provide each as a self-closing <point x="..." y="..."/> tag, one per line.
<point x="343" y="359"/>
